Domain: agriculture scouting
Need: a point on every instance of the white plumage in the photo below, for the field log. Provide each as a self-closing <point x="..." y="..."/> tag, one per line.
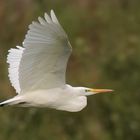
<point x="37" y="70"/>
<point x="13" y="59"/>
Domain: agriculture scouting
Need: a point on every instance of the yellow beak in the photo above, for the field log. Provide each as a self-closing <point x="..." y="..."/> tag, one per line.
<point x="101" y="90"/>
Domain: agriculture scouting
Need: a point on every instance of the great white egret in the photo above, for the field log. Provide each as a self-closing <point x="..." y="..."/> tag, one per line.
<point x="37" y="70"/>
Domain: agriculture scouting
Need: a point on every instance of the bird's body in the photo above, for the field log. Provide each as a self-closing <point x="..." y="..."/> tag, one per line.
<point x="37" y="70"/>
<point x="63" y="98"/>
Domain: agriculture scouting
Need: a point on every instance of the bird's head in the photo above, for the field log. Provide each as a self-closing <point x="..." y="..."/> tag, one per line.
<point x="90" y="91"/>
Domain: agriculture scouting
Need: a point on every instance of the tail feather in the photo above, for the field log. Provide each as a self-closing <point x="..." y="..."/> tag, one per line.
<point x="12" y="101"/>
<point x="2" y="104"/>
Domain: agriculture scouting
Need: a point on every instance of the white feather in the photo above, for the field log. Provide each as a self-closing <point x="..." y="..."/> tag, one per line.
<point x="47" y="17"/>
<point x="44" y="61"/>
<point x="44" y="43"/>
<point x="54" y="18"/>
<point x="13" y="59"/>
<point x="42" y="21"/>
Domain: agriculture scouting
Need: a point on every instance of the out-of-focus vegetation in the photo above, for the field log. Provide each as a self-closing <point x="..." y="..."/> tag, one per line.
<point x="105" y="36"/>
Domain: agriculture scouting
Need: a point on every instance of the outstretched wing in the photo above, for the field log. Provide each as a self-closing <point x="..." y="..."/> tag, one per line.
<point x="13" y="59"/>
<point x="44" y="57"/>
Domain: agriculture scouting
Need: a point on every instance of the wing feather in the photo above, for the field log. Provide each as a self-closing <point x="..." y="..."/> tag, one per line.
<point x="47" y="18"/>
<point x="54" y="18"/>
<point x="44" y="60"/>
<point x="13" y="59"/>
<point x="41" y="62"/>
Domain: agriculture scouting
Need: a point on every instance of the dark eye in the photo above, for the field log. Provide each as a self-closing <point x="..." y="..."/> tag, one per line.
<point x="86" y="90"/>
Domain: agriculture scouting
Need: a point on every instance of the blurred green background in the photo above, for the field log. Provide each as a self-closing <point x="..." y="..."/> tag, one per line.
<point x="105" y="35"/>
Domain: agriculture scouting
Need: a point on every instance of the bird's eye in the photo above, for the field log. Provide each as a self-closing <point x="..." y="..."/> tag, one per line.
<point x="87" y="90"/>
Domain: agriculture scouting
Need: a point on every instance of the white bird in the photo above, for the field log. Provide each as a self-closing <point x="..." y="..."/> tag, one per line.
<point x="37" y="70"/>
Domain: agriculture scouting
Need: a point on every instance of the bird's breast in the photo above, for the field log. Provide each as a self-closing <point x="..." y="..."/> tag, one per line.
<point x="47" y="98"/>
<point x="56" y="98"/>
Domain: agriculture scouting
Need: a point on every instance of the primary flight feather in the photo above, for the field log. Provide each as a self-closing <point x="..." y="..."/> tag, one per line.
<point x="37" y="70"/>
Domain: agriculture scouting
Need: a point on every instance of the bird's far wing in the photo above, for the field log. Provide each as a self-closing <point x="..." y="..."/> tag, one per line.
<point x="13" y="59"/>
<point x="45" y="55"/>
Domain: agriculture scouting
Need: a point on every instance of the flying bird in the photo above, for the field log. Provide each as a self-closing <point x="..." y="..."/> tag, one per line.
<point x="37" y="70"/>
